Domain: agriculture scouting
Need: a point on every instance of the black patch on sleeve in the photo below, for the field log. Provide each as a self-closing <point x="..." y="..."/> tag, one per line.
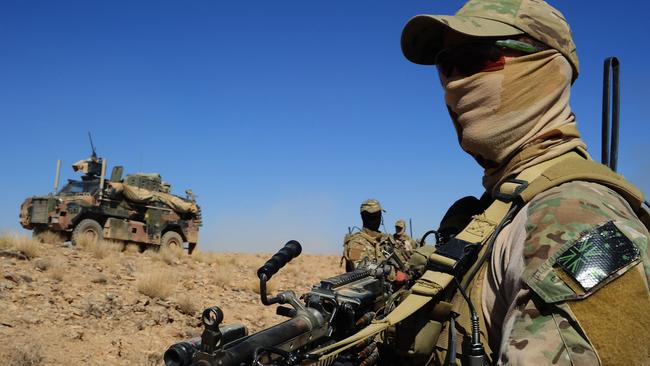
<point x="598" y="254"/>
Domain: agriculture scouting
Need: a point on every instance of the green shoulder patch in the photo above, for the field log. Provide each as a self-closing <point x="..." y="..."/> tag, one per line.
<point x="597" y="255"/>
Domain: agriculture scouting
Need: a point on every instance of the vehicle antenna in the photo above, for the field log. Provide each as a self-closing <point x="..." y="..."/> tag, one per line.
<point x="90" y="137"/>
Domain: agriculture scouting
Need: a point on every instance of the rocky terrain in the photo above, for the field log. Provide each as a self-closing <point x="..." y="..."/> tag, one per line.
<point x="106" y="304"/>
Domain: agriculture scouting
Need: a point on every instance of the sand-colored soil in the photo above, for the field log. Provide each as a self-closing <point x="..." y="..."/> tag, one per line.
<point x="62" y="305"/>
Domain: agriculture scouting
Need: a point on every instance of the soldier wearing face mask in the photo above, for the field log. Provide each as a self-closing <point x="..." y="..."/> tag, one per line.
<point x="366" y="244"/>
<point x="562" y="273"/>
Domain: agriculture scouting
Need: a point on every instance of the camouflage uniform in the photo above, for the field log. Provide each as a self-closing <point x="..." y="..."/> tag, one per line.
<point x="567" y="281"/>
<point x="366" y="244"/>
<point x="403" y="240"/>
<point x="533" y="317"/>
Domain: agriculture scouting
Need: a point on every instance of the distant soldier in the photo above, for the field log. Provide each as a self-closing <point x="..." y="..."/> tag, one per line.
<point x="366" y="244"/>
<point x="402" y="239"/>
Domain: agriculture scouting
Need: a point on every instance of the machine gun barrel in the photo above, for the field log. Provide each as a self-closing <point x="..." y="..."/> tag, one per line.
<point x="287" y="336"/>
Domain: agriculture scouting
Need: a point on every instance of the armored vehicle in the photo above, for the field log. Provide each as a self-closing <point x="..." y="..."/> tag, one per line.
<point x="138" y="208"/>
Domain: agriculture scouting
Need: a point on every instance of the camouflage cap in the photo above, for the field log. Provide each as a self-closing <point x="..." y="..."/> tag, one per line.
<point x="400" y="223"/>
<point x="422" y="37"/>
<point x="371" y="206"/>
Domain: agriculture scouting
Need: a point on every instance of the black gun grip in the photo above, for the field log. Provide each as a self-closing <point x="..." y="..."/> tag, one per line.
<point x="290" y="250"/>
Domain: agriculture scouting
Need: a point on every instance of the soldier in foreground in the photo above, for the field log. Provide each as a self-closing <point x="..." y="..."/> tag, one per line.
<point x="402" y="239"/>
<point x="366" y="243"/>
<point x="565" y="281"/>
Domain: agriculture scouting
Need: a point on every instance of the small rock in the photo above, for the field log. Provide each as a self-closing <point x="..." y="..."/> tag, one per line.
<point x="27" y="278"/>
<point x="31" y="319"/>
<point x="99" y="278"/>
<point x="9" y="254"/>
<point x="12" y="277"/>
<point x="163" y="303"/>
<point x="75" y="334"/>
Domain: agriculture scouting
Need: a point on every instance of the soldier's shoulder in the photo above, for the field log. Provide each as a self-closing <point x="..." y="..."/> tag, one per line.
<point x="578" y="206"/>
<point x="356" y="237"/>
<point x="570" y="219"/>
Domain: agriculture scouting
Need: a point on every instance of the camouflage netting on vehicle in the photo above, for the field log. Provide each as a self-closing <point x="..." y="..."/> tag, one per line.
<point x="142" y="195"/>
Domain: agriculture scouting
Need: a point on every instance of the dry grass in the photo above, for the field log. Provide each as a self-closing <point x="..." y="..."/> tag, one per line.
<point x="29" y="353"/>
<point x="132" y="248"/>
<point x="294" y="270"/>
<point x="112" y="263"/>
<point x="57" y="271"/>
<point x="101" y="248"/>
<point x="26" y="245"/>
<point x="84" y="241"/>
<point x="226" y="259"/>
<point x="186" y="304"/>
<point x="50" y="237"/>
<point x="222" y="277"/>
<point x="42" y="264"/>
<point x="170" y="255"/>
<point x="204" y="257"/>
<point x="6" y="241"/>
<point x="254" y="286"/>
<point x="156" y="283"/>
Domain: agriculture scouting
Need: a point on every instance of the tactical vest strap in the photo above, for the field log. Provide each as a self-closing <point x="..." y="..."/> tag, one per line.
<point x="587" y="170"/>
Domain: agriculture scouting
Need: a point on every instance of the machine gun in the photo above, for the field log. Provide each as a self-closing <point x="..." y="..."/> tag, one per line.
<point x="334" y="309"/>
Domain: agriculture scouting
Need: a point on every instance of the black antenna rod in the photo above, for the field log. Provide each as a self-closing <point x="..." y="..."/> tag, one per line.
<point x="604" y="145"/>
<point x="90" y="137"/>
<point x="609" y="151"/>
<point x="613" y="153"/>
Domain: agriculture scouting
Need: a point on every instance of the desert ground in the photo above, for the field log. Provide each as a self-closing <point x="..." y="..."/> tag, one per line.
<point x="107" y="304"/>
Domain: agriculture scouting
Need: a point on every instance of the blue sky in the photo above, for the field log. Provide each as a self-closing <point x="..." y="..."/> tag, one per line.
<point x="281" y="116"/>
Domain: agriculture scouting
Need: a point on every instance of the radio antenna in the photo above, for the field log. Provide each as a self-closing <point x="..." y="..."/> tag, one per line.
<point x="609" y="148"/>
<point x="90" y="137"/>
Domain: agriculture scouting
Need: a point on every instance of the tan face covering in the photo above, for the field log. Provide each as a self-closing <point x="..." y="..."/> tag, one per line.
<point x="514" y="118"/>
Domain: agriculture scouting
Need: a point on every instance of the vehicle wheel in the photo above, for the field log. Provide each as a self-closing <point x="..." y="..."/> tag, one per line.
<point x="171" y="239"/>
<point x="88" y="230"/>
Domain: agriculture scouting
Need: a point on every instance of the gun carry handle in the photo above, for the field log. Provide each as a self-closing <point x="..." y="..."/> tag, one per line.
<point x="290" y="250"/>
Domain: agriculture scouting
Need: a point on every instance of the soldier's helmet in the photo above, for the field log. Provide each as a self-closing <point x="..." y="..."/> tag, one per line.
<point x="400" y="223"/>
<point x="422" y="37"/>
<point x="371" y="206"/>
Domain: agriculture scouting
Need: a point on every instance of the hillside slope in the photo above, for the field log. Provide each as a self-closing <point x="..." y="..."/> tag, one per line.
<point x="106" y="305"/>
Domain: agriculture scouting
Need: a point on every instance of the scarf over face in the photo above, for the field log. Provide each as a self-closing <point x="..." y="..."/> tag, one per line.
<point x="514" y="118"/>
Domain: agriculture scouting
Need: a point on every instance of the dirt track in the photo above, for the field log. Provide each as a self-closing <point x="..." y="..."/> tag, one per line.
<point x="86" y="305"/>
